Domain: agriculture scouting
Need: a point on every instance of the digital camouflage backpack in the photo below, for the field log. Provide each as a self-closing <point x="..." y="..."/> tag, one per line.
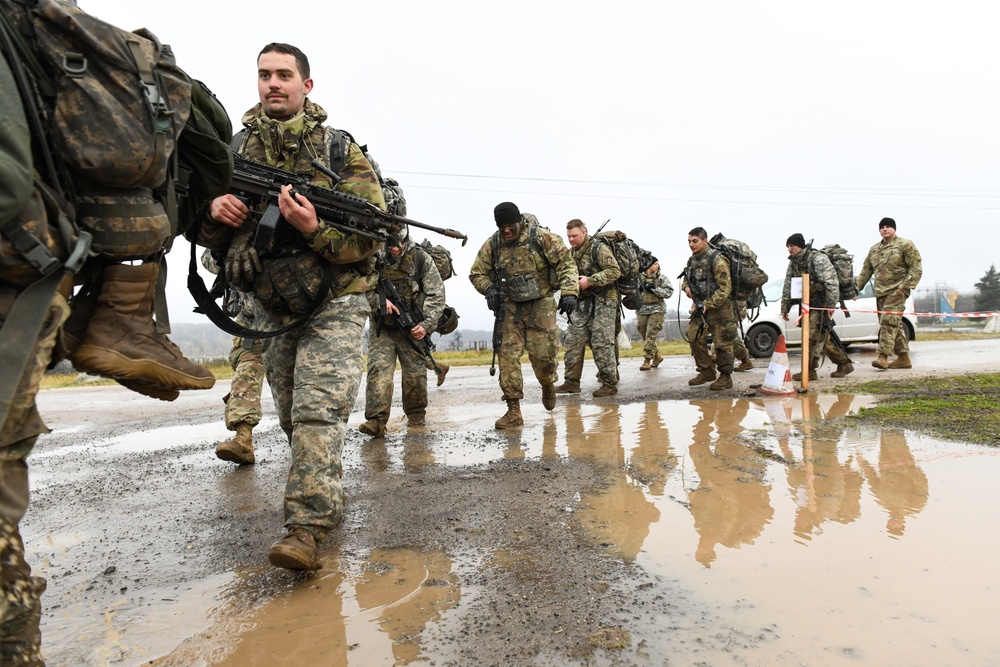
<point x="748" y="277"/>
<point x="632" y="260"/>
<point x="843" y="262"/>
<point x="441" y="257"/>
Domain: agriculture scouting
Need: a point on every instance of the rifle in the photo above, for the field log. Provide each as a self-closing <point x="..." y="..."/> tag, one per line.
<point x="406" y="321"/>
<point x="255" y="184"/>
<point x="498" y="321"/>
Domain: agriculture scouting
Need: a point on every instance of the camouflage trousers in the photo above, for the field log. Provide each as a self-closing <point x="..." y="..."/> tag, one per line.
<point x="383" y="351"/>
<point x="528" y="326"/>
<point x="20" y="592"/>
<point x="595" y="323"/>
<point x="721" y="324"/>
<point x="649" y="328"/>
<point x="891" y="336"/>
<point x="243" y="400"/>
<point x="821" y="342"/>
<point x="315" y="372"/>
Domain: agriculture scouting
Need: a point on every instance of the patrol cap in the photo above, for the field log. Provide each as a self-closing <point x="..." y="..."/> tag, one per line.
<point x="886" y="222"/>
<point x="506" y="213"/>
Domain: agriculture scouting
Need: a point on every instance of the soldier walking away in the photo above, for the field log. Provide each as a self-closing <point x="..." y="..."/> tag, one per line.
<point x="656" y="289"/>
<point x="597" y="319"/>
<point x="417" y="285"/>
<point x="824" y="293"/>
<point x="314" y="369"/>
<point x="896" y="265"/>
<point x="518" y="269"/>
<point x="708" y="283"/>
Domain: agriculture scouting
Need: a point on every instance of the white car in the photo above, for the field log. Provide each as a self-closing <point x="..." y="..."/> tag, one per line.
<point x="861" y="327"/>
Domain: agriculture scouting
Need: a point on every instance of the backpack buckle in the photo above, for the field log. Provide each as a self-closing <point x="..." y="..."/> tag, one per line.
<point x="74" y="64"/>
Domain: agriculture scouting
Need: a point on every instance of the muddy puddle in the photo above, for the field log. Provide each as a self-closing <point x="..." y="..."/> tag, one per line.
<point x="823" y="544"/>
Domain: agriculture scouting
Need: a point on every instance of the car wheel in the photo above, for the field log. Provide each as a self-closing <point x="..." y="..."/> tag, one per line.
<point x="761" y="340"/>
<point x="908" y="330"/>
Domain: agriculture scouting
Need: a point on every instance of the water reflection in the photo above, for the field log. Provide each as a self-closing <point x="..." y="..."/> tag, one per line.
<point x="898" y="484"/>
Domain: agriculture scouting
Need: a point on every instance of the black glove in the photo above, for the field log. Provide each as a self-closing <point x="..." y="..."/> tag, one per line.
<point x="494" y="298"/>
<point x="648" y="287"/>
<point x="567" y="304"/>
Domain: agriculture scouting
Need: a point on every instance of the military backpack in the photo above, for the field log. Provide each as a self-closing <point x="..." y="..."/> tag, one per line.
<point x="632" y="259"/>
<point x="748" y="278"/>
<point x="843" y="263"/>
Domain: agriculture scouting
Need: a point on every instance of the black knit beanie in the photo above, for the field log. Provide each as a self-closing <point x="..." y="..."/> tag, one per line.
<point x="506" y="213"/>
<point x="796" y="240"/>
<point x="886" y="222"/>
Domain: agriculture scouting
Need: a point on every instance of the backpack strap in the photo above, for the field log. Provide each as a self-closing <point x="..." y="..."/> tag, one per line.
<point x="338" y="144"/>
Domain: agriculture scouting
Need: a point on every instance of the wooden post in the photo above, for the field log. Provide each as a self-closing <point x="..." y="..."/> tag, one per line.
<point x="805" y="331"/>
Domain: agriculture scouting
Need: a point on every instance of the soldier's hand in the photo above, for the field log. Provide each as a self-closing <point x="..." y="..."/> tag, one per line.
<point x="297" y="210"/>
<point x="228" y="210"/>
<point x="418" y="332"/>
<point x="567" y="304"/>
<point x="242" y="263"/>
<point x="494" y="298"/>
<point x="648" y="287"/>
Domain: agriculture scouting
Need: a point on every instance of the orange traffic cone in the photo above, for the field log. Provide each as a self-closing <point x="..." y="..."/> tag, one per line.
<point x="778" y="381"/>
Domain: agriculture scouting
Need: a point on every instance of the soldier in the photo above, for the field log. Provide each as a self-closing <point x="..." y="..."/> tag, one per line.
<point x="708" y="282"/>
<point x="246" y="358"/>
<point x="418" y="284"/>
<point x="597" y="314"/>
<point x="314" y="369"/>
<point x="824" y="293"/>
<point x="740" y="351"/>
<point x="517" y="270"/>
<point x="656" y="288"/>
<point x="895" y="262"/>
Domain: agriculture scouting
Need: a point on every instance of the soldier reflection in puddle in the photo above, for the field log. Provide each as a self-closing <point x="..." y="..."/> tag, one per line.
<point x="652" y="459"/>
<point x="899" y="485"/>
<point x="731" y="504"/>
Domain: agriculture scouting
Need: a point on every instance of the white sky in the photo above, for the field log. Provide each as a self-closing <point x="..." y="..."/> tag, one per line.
<point x="754" y="119"/>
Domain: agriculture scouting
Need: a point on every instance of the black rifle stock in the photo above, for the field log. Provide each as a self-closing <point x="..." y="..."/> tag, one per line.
<point x="501" y="284"/>
<point x="256" y="184"/>
<point x="406" y="321"/>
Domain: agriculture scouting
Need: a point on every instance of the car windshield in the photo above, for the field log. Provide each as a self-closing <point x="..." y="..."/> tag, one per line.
<point x="772" y="291"/>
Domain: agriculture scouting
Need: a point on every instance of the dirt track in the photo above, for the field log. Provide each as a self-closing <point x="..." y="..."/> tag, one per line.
<point x="153" y="546"/>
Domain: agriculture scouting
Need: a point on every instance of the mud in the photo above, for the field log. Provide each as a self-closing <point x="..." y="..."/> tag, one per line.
<point x="662" y="526"/>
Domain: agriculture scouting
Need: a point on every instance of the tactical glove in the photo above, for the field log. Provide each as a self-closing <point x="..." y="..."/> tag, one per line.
<point x="494" y="298"/>
<point x="648" y="287"/>
<point x="242" y="263"/>
<point x="567" y="304"/>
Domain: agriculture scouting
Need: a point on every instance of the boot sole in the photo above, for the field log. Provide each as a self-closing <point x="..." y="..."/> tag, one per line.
<point x="233" y="457"/>
<point x="291" y="559"/>
<point x="109" y="363"/>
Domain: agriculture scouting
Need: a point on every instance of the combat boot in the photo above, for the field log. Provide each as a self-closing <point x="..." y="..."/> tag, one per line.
<point x="121" y="340"/>
<point x="549" y="396"/>
<point x="151" y="390"/>
<point x="882" y="362"/>
<point x="902" y="361"/>
<point x="441" y="372"/>
<point x="657" y="359"/>
<point x="724" y="382"/>
<point x="812" y="375"/>
<point x="295" y="551"/>
<point x="745" y="365"/>
<point x="513" y="416"/>
<point x="416" y="419"/>
<point x="646" y="364"/>
<point x="374" y="428"/>
<point x="843" y="370"/>
<point x="239" y="449"/>
<point x="568" y="387"/>
<point x="702" y="377"/>
<point x="605" y="390"/>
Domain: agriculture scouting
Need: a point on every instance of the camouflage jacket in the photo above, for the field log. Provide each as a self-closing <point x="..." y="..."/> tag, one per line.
<point x="708" y="276"/>
<point x="603" y="274"/>
<point x="824" y="285"/>
<point x="416" y="278"/>
<point x="656" y="288"/>
<point x="519" y="258"/>
<point x="895" y="265"/>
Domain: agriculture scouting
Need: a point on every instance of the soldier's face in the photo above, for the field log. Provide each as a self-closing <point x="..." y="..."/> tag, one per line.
<point x="576" y="236"/>
<point x="281" y="88"/>
<point x="697" y="244"/>
<point x="509" y="231"/>
<point x="793" y="250"/>
<point x="888" y="233"/>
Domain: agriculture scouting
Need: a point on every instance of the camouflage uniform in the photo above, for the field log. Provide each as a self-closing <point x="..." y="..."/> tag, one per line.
<point x="247" y="361"/>
<point x="20" y="592"/>
<point x="740" y="350"/>
<point x="314" y="370"/>
<point x="528" y="325"/>
<point x="416" y="278"/>
<point x="656" y="288"/>
<point x="596" y="319"/>
<point x="897" y="268"/>
<point x="711" y="284"/>
<point x="824" y="292"/>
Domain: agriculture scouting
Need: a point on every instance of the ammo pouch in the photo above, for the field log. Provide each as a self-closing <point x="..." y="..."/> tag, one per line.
<point x="294" y="284"/>
<point x="523" y="288"/>
<point x="126" y="224"/>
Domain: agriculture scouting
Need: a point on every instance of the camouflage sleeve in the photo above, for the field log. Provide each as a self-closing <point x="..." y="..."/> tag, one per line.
<point x="725" y="281"/>
<point x="338" y="247"/>
<point x="824" y="273"/>
<point x="482" y="268"/>
<point x="786" y="291"/>
<point x="662" y="289"/>
<point x="15" y="149"/>
<point x="358" y="178"/>
<point x="609" y="270"/>
<point x="867" y="269"/>
<point x="914" y="265"/>
<point x="559" y="257"/>
<point x="433" y="288"/>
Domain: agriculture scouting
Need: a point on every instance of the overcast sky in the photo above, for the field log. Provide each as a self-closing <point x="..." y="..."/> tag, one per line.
<point x="754" y="119"/>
